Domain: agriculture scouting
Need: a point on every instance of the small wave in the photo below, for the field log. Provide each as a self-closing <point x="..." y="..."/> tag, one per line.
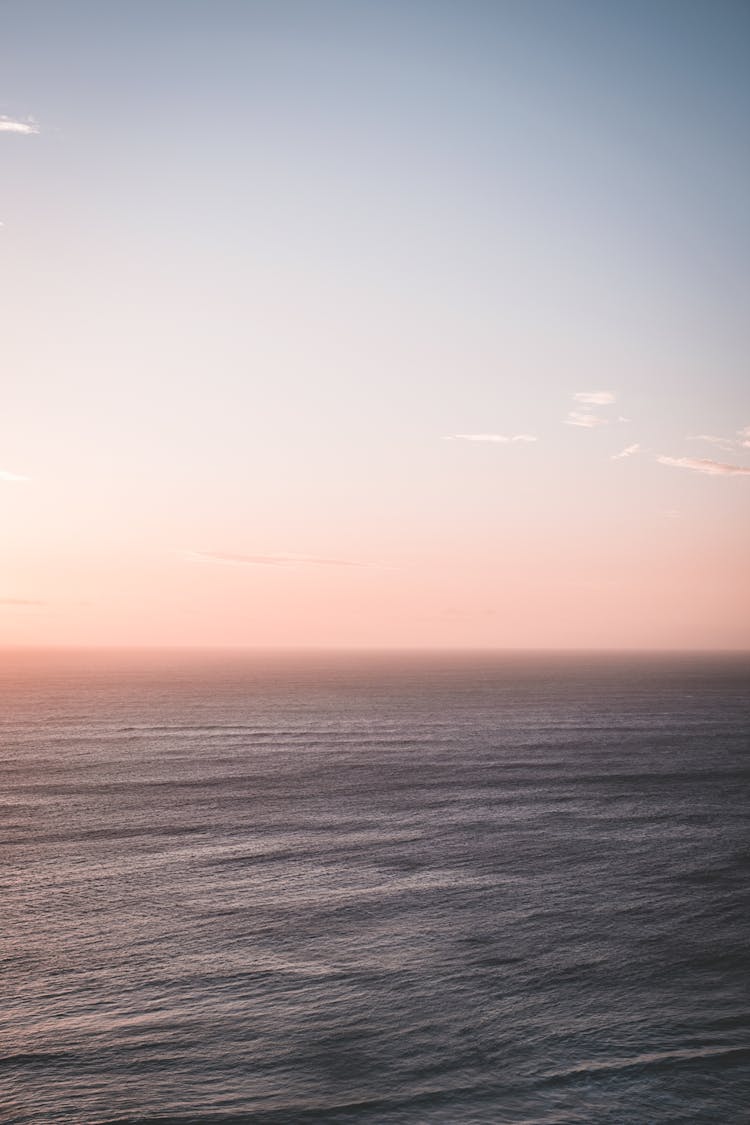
<point x="40" y="1059"/>
<point x="295" y="1114"/>
<point x="719" y="1056"/>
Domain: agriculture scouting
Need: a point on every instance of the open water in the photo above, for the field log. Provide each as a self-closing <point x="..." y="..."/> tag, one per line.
<point x="390" y="889"/>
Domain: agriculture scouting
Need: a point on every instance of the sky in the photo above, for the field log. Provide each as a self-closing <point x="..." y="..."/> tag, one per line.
<point x="408" y="323"/>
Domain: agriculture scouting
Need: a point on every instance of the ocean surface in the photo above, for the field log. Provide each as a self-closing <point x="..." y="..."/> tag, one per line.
<point x="382" y="889"/>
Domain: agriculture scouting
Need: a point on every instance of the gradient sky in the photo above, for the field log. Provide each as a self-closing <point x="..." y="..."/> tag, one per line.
<point x="278" y="278"/>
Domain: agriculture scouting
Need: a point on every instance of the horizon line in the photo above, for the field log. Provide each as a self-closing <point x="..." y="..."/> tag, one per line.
<point x="354" y="648"/>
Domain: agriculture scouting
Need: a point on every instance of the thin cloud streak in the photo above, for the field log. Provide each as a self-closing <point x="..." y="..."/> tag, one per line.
<point x="740" y="441"/>
<point x="595" y="398"/>
<point x="499" y="439"/>
<point x="713" y="439"/>
<point x="8" y="476"/>
<point x="7" y="125"/>
<point x="276" y="560"/>
<point x="702" y="465"/>
<point x="586" y="420"/>
<point x="628" y="451"/>
<point x="20" y="601"/>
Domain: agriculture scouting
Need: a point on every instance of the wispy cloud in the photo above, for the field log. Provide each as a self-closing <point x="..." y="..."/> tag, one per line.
<point x="713" y="439"/>
<point x="595" y="398"/>
<point x="500" y="439"/>
<point x="702" y="465"/>
<point x="628" y="451"/>
<point x="740" y="441"/>
<point x="274" y="560"/>
<point x="20" y="601"/>
<point x="6" y="475"/>
<point x="8" y="125"/>
<point x="584" y="418"/>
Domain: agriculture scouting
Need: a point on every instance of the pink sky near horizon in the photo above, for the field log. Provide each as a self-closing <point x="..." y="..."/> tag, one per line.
<point x="575" y="592"/>
<point x="383" y="331"/>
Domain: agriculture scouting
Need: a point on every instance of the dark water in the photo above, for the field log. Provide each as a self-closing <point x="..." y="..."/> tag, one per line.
<point x="374" y="889"/>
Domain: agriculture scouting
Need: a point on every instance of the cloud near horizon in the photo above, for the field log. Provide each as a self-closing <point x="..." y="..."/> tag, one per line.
<point x="7" y="125"/>
<point x="500" y="439"/>
<point x="628" y="451"/>
<point x="275" y="560"/>
<point x="595" y="398"/>
<point x="703" y="465"/>
<point x="20" y="601"/>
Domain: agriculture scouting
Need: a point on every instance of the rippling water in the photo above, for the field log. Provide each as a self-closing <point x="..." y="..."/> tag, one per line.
<point x="389" y="889"/>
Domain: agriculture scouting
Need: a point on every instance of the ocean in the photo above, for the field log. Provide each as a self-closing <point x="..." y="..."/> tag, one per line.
<point x="392" y="889"/>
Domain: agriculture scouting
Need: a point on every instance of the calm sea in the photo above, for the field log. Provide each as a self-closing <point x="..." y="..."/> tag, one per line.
<point x="381" y="889"/>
